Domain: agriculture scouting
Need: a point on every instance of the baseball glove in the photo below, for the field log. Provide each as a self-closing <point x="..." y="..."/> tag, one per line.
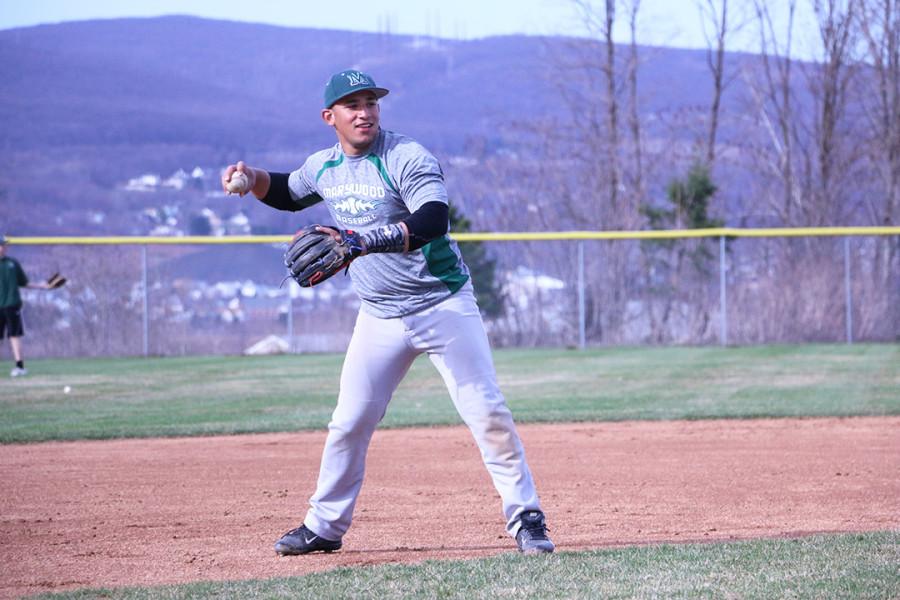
<point x="56" y="281"/>
<point x="315" y="255"/>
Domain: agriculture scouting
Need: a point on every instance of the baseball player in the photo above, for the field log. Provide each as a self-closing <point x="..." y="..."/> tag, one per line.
<point x="386" y="192"/>
<point x="12" y="277"/>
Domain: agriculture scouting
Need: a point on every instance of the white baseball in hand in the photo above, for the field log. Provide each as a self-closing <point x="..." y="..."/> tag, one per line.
<point x="238" y="184"/>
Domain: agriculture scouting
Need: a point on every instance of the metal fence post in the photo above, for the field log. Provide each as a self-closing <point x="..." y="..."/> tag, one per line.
<point x="581" y="326"/>
<point x="848" y="296"/>
<point x="723" y="300"/>
<point x="146" y="316"/>
<point x="290" y="318"/>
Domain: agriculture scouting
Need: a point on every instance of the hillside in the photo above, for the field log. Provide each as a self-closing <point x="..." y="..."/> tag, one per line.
<point x="88" y="106"/>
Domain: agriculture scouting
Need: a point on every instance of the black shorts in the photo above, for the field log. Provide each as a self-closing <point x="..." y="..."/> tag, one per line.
<point x="11" y="322"/>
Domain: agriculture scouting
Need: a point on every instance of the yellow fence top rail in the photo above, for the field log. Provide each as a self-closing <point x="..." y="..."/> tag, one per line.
<point x="486" y="237"/>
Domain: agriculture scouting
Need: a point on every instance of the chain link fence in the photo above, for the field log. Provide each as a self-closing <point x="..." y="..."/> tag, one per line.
<point x="171" y="297"/>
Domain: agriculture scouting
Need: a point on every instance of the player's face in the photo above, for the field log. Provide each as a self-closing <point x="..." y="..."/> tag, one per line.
<point x="355" y="120"/>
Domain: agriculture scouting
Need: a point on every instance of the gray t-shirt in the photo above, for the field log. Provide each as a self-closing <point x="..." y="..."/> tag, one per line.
<point x="383" y="187"/>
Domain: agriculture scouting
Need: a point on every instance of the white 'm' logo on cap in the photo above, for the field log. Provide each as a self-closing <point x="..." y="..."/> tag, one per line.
<point x="357" y="79"/>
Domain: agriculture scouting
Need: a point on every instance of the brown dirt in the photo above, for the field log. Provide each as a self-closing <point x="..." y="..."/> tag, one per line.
<point x="146" y="512"/>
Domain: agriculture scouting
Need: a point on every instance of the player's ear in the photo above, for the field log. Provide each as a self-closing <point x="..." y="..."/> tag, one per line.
<point x="328" y="116"/>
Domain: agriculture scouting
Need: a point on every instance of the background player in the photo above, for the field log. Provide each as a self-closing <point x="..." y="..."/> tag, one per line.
<point x="12" y="277"/>
<point x="416" y="297"/>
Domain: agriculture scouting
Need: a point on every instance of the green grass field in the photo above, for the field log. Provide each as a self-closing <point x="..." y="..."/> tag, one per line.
<point x="837" y="566"/>
<point x="199" y="396"/>
<point x="113" y="398"/>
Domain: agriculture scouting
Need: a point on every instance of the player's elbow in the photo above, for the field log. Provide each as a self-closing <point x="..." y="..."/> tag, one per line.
<point x="429" y="222"/>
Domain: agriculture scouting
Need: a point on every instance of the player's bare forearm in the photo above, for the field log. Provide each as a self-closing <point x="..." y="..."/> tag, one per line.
<point x="261" y="183"/>
<point x="405" y="229"/>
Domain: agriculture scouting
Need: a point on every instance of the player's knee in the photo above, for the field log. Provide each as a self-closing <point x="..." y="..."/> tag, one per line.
<point x="349" y="433"/>
<point x="481" y="398"/>
<point x="488" y="415"/>
<point x="351" y="423"/>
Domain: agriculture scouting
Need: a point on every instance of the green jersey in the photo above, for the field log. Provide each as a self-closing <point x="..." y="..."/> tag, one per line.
<point x="12" y="277"/>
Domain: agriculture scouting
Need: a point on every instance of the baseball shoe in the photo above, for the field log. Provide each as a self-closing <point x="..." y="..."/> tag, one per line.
<point x="18" y="372"/>
<point x="303" y="541"/>
<point x="532" y="537"/>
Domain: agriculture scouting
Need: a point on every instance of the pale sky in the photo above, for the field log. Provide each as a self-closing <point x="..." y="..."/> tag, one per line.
<point x="661" y="22"/>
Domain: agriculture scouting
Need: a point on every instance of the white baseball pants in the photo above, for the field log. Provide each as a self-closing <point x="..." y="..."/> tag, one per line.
<point x="379" y="356"/>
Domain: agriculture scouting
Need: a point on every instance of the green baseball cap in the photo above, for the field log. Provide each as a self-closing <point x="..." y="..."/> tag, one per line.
<point x="349" y="82"/>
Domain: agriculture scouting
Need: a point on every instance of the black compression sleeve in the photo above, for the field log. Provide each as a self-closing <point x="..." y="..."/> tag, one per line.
<point x="279" y="195"/>
<point x="428" y="223"/>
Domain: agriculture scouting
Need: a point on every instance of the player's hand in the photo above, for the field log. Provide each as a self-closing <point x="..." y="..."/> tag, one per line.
<point x="332" y="231"/>
<point x="349" y="238"/>
<point x="238" y="179"/>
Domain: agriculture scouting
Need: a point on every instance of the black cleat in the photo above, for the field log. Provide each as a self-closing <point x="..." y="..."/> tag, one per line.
<point x="303" y="541"/>
<point x="532" y="537"/>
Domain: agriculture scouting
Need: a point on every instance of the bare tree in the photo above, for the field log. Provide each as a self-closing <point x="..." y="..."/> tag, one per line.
<point x="880" y="98"/>
<point x="610" y="71"/>
<point x="774" y="103"/>
<point x="814" y="147"/>
<point x="814" y="163"/>
<point x="587" y="139"/>
<point x="880" y="27"/>
<point x="835" y="151"/>
<point x="634" y="120"/>
<point x="600" y="23"/>
<point x="719" y="24"/>
<point x="715" y="60"/>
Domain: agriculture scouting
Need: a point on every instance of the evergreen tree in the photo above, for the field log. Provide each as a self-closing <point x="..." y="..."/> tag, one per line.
<point x="199" y="225"/>
<point x="688" y="208"/>
<point x="679" y="270"/>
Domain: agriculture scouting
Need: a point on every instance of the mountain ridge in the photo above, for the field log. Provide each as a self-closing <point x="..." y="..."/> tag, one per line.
<point x="91" y="104"/>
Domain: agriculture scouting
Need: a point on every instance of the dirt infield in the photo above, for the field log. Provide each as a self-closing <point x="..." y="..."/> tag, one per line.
<point x="144" y="512"/>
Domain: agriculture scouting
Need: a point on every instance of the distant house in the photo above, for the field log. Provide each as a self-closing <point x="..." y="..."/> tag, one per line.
<point x="177" y="181"/>
<point x="238" y="224"/>
<point x="145" y="183"/>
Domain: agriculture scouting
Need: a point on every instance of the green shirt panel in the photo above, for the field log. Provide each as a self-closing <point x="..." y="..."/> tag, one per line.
<point x="12" y="277"/>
